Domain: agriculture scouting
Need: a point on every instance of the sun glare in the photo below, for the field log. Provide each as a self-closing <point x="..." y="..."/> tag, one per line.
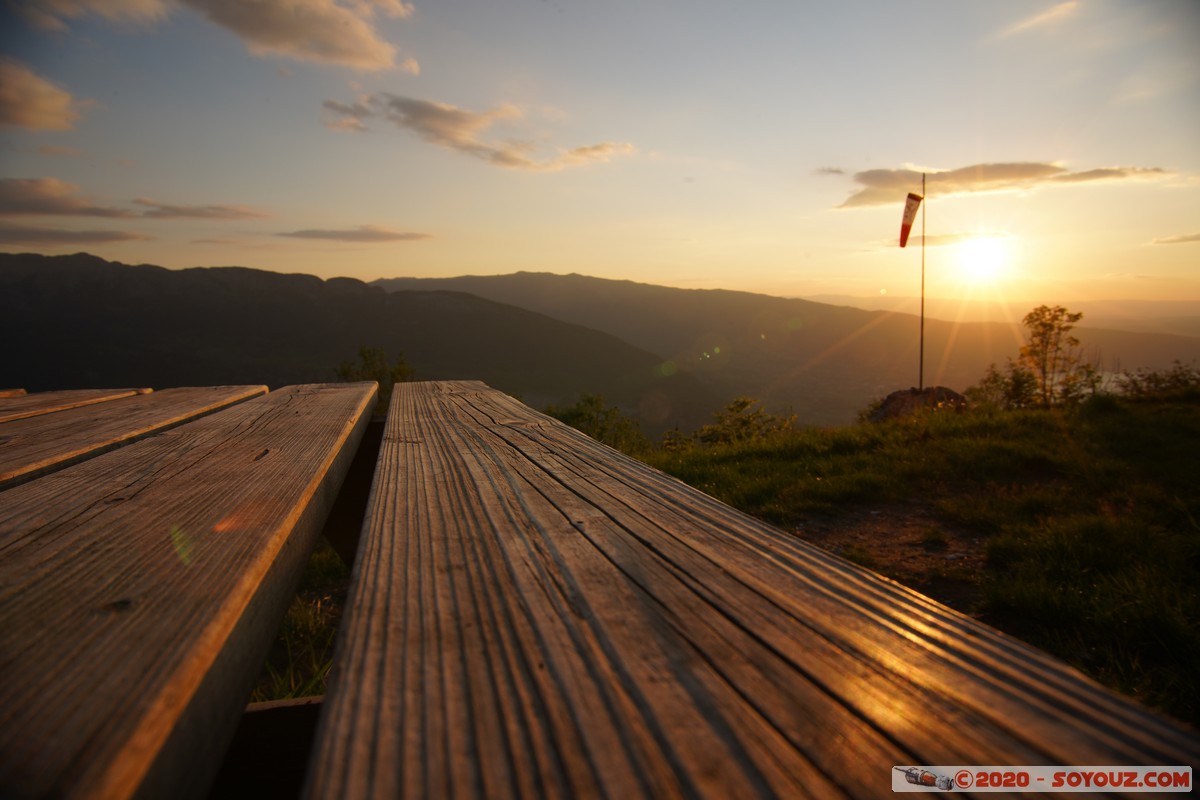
<point x="983" y="260"/>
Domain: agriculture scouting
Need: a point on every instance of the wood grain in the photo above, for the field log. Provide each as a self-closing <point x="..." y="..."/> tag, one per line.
<point x="536" y="615"/>
<point x="19" y="404"/>
<point x="140" y="590"/>
<point x="35" y="445"/>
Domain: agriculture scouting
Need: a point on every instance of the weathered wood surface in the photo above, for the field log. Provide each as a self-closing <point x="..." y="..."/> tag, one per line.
<point x="19" y="404"/>
<point x="141" y="589"/>
<point x="536" y="615"/>
<point x="35" y="445"/>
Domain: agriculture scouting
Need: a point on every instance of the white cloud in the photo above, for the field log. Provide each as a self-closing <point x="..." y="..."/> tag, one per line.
<point x="363" y="233"/>
<point x="465" y="131"/>
<point x="28" y="100"/>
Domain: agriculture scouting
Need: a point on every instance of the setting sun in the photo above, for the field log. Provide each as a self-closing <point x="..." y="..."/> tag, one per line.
<point x="983" y="259"/>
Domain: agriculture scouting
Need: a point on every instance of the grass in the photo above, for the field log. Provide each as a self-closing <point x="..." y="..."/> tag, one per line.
<point x="1089" y="518"/>
<point x="299" y="662"/>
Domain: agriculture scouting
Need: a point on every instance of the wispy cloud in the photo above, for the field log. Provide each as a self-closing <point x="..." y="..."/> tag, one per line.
<point x="361" y="234"/>
<point x="311" y="30"/>
<point x="1043" y="19"/>
<point x="50" y="196"/>
<point x="31" y="197"/>
<point x="1111" y="174"/>
<point x="54" y="14"/>
<point x="34" y="235"/>
<point x="56" y="151"/>
<point x="883" y="186"/>
<point x="1188" y="238"/>
<point x="164" y="211"/>
<point x="27" y="100"/>
<point x="465" y="131"/>
<point x="326" y="31"/>
<point x="54" y="197"/>
<point x="948" y="239"/>
<point x="350" y="116"/>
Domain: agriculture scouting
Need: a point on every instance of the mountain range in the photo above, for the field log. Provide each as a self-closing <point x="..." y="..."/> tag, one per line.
<point x="824" y="362"/>
<point x="667" y="356"/>
<point x="79" y="321"/>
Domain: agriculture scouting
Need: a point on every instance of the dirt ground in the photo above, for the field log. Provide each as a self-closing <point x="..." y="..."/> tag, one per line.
<point x="907" y="544"/>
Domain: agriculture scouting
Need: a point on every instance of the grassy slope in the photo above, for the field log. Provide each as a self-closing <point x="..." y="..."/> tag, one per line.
<point x="1090" y="520"/>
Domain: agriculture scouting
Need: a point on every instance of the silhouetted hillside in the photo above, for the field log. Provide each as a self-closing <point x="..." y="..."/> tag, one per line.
<point x="80" y="321"/>
<point x="824" y="362"/>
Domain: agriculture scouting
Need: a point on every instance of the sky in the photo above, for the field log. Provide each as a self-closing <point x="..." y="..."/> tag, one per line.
<point x="761" y="145"/>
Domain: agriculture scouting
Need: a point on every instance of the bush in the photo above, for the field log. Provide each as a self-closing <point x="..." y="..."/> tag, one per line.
<point x="743" y="420"/>
<point x="373" y="366"/>
<point x="1160" y="384"/>
<point x="603" y="423"/>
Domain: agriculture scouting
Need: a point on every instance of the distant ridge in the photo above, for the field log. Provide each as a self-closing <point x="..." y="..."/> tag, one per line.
<point x="1177" y="317"/>
<point x="822" y="361"/>
<point x="80" y="321"/>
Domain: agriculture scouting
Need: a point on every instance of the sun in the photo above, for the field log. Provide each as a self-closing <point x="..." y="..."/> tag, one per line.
<point x="983" y="259"/>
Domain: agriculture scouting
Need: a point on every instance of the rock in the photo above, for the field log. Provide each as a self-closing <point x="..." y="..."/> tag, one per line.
<point x="907" y="402"/>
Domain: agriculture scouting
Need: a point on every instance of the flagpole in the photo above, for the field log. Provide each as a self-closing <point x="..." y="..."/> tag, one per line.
<point x="921" y="358"/>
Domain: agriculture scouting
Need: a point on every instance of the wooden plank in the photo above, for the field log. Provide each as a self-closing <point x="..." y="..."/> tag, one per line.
<point x="35" y="445"/>
<point x="535" y="614"/>
<point x="6" y="393"/>
<point x="19" y="405"/>
<point x="141" y="589"/>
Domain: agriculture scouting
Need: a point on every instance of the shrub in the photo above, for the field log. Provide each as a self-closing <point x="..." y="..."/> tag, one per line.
<point x="603" y="423"/>
<point x="743" y="420"/>
<point x="372" y="365"/>
<point x="1146" y="383"/>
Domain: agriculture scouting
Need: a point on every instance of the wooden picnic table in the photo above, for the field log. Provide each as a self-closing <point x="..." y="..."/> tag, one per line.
<point x="145" y="570"/>
<point x="532" y="614"/>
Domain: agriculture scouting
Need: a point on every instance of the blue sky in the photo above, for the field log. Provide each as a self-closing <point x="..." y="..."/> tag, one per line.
<point x="756" y="145"/>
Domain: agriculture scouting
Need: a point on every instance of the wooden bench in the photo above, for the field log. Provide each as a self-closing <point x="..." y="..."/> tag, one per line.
<point x="149" y="546"/>
<point x="536" y="615"/>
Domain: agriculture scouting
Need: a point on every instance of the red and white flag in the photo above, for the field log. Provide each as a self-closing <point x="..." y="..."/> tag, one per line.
<point x="910" y="214"/>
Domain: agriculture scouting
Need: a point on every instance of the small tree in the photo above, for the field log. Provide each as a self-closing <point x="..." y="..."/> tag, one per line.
<point x="1049" y="371"/>
<point x="1052" y="354"/>
<point x="372" y="365"/>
